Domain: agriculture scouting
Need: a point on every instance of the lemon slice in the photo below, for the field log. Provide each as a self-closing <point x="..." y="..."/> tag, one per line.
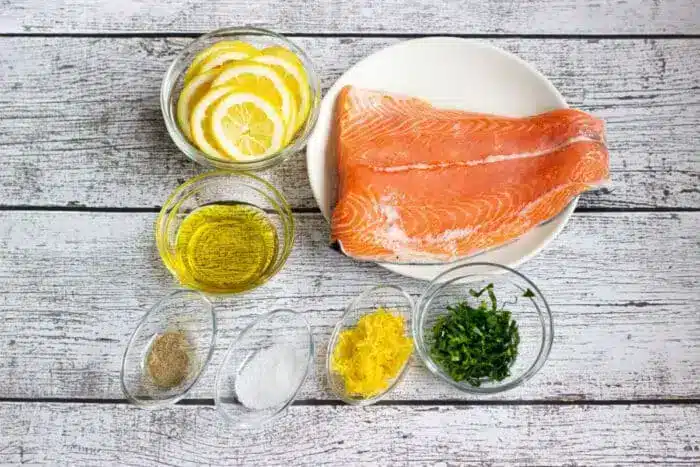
<point x="218" y="54"/>
<point x="190" y="95"/>
<point x="246" y="125"/>
<point x="200" y="122"/>
<point x="267" y="82"/>
<point x="294" y="74"/>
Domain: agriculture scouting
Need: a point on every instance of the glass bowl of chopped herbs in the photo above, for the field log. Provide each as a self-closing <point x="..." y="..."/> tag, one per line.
<point x="483" y="327"/>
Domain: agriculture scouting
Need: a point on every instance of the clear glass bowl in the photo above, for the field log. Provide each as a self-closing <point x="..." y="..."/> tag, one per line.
<point x="173" y="83"/>
<point x="532" y="315"/>
<point x="387" y="296"/>
<point x="279" y="343"/>
<point x="185" y="311"/>
<point x="220" y="187"/>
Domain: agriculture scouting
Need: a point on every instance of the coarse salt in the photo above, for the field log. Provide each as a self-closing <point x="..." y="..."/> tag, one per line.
<point x="270" y="377"/>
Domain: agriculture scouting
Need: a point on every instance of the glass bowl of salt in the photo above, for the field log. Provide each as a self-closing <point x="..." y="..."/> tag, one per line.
<point x="264" y="369"/>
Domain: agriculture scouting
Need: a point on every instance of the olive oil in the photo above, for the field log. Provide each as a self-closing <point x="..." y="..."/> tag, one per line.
<point x="225" y="248"/>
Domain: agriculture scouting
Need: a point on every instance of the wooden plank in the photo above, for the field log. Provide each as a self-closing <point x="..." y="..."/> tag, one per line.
<point x="82" y="126"/>
<point x="624" y="290"/>
<point x="365" y="16"/>
<point x="88" y="434"/>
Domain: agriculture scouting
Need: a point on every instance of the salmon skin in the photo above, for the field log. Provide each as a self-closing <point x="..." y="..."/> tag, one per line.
<point x="419" y="184"/>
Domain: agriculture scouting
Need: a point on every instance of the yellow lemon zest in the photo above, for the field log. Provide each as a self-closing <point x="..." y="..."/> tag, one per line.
<point x="369" y="356"/>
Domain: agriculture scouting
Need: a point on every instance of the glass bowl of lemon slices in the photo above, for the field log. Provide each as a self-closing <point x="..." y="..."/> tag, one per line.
<point x="240" y="99"/>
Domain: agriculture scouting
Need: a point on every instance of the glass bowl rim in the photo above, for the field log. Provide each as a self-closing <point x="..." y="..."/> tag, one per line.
<point x="501" y="271"/>
<point x="216" y="173"/>
<point x="219" y="405"/>
<point x="336" y="332"/>
<point x="208" y="307"/>
<point x="190" y="150"/>
<point x="285" y="211"/>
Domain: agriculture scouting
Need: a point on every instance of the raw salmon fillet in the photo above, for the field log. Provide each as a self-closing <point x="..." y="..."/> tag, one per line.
<point x="419" y="184"/>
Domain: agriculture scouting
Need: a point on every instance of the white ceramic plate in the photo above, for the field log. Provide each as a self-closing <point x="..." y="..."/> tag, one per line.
<point x="451" y="73"/>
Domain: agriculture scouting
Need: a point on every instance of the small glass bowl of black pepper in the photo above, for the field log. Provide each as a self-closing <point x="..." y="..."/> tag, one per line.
<point x="483" y="328"/>
<point x="169" y="349"/>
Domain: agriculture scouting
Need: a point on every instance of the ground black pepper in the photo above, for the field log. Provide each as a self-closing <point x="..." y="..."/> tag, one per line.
<point x="168" y="361"/>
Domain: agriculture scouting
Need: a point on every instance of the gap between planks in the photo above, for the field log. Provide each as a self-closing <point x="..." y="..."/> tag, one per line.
<point x="302" y="210"/>
<point x="368" y="35"/>
<point x="387" y="403"/>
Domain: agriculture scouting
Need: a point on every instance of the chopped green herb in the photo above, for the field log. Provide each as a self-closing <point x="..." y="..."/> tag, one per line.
<point x="528" y="293"/>
<point x="472" y="343"/>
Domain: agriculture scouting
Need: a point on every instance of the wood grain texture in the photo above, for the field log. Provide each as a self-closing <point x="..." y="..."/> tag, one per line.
<point x="353" y="16"/>
<point x="79" y="434"/>
<point x="624" y="290"/>
<point x="82" y="125"/>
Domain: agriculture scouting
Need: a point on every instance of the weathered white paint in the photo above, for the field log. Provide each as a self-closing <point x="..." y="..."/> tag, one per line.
<point x="341" y="16"/>
<point x="624" y="290"/>
<point x="82" y="125"/>
<point x="88" y="434"/>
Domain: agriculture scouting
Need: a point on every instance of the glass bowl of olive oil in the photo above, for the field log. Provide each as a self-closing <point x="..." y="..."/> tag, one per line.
<point x="225" y="232"/>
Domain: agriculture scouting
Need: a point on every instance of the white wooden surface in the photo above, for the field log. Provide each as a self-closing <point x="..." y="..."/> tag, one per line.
<point x="89" y="434"/>
<point x="86" y="161"/>
<point x="356" y="16"/>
